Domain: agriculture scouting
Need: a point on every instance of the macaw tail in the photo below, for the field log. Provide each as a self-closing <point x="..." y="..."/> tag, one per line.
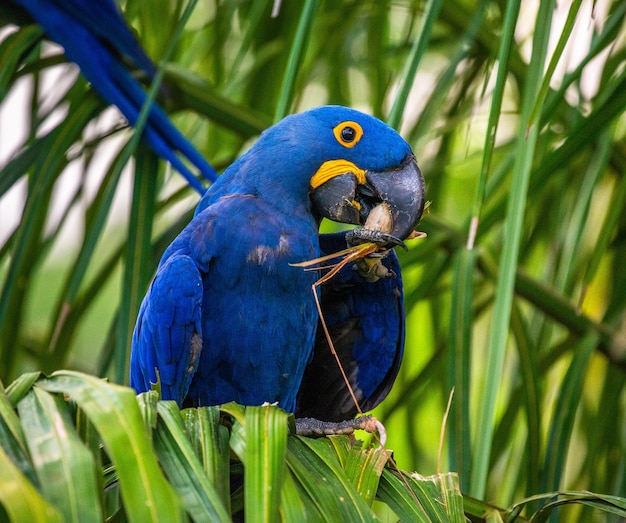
<point x="96" y="37"/>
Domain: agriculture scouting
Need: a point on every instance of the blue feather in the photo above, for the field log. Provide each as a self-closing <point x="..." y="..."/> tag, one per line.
<point x="95" y="37"/>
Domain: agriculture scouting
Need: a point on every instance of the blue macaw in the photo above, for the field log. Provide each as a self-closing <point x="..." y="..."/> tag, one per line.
<point x="228" y="317"/>
<point x="95" y="36"/>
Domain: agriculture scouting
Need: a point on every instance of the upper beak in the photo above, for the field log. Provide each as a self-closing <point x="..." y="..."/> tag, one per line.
<point x="349" y="197"/>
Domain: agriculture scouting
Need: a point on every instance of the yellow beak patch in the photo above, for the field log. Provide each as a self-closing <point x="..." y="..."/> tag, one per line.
<point x="333" y="168"/>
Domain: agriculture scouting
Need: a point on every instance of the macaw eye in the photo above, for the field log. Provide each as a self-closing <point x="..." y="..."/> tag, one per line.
<point x="348" y="134"/>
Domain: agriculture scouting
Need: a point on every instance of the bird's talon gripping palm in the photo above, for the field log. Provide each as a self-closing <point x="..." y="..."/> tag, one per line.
<point x="312" y="427"/>
<point x="359" y="236"/>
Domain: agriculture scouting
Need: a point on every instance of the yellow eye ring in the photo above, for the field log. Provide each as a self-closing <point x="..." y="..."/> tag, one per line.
<point x="348" y="133"/>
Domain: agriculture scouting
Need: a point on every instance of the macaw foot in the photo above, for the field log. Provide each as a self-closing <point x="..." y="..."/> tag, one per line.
<point x="358" y="236"/>
<point x="372" y="268"/>
<point x="315" y="427"/>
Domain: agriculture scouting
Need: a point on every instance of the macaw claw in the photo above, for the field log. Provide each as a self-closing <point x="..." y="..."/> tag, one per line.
<point x="358" y="236"/>
<point x="312" y="427"/>
<point x="372" y="269"/>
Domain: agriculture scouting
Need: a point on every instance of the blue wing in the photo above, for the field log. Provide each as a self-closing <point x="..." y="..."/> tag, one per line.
<point x="96" y="37"/>
<point x="366" y="324"/>
<point x="221" y="320"/>
<point x="168" y="333"/>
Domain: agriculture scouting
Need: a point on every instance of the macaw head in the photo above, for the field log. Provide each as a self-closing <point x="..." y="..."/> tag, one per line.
<point x="349" y="162"/>
<point x="339" y="162"/>
<point x="364" y="163"/>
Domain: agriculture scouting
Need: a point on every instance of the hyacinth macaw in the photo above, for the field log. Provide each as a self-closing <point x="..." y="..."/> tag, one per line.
<point x="95" y="36"/>
<point x="228" y="317"/>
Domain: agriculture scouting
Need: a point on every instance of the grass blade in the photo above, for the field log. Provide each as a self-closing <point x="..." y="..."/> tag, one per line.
<point x="64" y="466"/>
<point x="148" y="402"/>
<point x="459" y="364"/>
<point x="19" y="498"/>
<point x="364" y="467"/>
<point x="199" y="95"/>
<point x="210" y="440"/>
<point x="335" y="499"/>
<point x="565" y="413"/>
<point x="431" y="10"/>
<point x="61" y="328"/>
<point x="12" y="49"/>
<point x="451" y="497"/>
<point x="26" y="241"/>
<point x="12" y="438"/>
<point x="20" y="387"/>
<point x="114" y="412"/>
<point x="513" y="227"/>
<point x="264" y="463"/>
<point x="137" y="256"/>
<point x="183" y="468"/>
<point x="296" y="55"/>
<point x="558" y="51"/>
<point x="405" y="503"/>
<point x="294" y="506"/>
<point x="532" y="404"/>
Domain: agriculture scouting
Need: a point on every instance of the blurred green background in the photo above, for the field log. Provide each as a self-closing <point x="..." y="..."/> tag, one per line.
<point x="516" y="299"/>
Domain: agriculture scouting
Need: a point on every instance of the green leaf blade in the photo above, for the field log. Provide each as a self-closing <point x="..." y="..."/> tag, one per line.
<point x="114" y="412"/>
<point x="65" y="467"/>
<point x="19" y="498"/>
<point x="264" y="464"/>
<point x="183" y="468"/>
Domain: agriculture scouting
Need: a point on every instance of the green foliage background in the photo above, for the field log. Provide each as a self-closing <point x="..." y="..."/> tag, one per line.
<point x="516" y="300"/>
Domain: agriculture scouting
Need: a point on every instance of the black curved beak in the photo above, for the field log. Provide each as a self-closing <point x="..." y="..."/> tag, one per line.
<point x="349" y="197"/>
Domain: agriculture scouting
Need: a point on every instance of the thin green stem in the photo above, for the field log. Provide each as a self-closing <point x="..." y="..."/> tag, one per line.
<point x="526" y="141"/>
<point x="415" y="57"/>
<point x="294" y="62"/>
